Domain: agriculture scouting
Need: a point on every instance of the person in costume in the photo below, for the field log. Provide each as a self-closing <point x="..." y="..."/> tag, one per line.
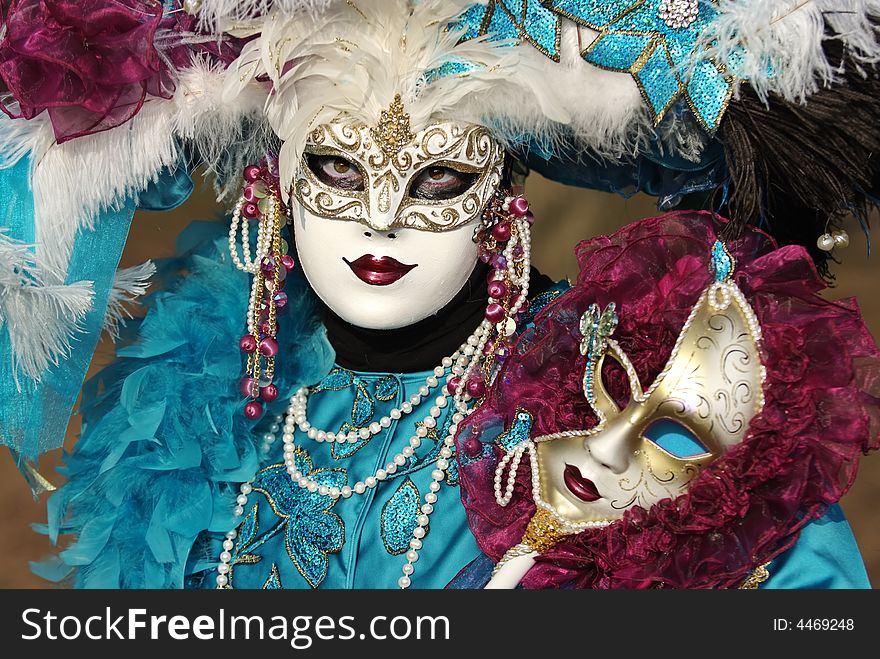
<point x="362" y="382"/>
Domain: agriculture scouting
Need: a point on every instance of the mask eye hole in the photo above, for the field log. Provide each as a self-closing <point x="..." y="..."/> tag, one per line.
<point x="336" y="172"/>
<point x="437" y="183"/>
<point x="675" y="439"/>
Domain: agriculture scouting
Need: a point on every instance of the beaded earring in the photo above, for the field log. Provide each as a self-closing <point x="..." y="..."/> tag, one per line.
<point x="505" y="244"/>
<point x="261" y="203"/>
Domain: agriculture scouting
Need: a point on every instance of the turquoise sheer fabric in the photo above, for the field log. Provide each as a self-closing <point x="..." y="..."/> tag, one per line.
<point x="34" y="420"/>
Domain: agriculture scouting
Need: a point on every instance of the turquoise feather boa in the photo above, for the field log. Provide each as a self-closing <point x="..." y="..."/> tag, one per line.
<point x="165" y="442"/>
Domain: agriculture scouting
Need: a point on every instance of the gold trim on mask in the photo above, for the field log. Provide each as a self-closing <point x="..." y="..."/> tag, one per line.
<point x="757" y="576"/>
<point x="384" y="203"/>
<point x="710" y="387"/>
<point x="543" y="532"/>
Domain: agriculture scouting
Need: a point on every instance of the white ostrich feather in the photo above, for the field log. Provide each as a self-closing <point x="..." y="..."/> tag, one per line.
<point x="18" y="137"/>
<point x="74" y="181"/>
<point x="41" y="319"/>
<point x="777" y="44"/>
<point x="227" y="136"/>
<point x="128" y="285"/>
<point x="355" y="57"/>
<point x="223" y="14"/>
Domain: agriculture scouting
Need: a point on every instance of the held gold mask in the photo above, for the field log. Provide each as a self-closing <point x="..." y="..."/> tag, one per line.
<point x="698" y="406"/>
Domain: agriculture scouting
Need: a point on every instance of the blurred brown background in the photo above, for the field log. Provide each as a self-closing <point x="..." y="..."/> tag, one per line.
<point x="565" y="216"/>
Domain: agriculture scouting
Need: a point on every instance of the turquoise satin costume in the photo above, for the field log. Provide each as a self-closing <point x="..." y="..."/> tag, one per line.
<point x="152" y="482"/>
<point x="293" y="538"/>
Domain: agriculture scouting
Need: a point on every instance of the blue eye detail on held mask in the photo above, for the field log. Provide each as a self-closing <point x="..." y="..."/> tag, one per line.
<point x="675" y="439"/>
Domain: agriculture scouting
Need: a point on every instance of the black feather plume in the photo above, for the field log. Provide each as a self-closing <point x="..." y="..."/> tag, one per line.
<point x="797" y="170"/>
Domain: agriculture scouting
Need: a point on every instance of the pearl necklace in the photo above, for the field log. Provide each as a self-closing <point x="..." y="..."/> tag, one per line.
<point x="438" y="475"/>
<point x="464" y="364"/>
<point x="460" y="363"/>
<point x="299" y="404"/>
<point x="362" y="486"/>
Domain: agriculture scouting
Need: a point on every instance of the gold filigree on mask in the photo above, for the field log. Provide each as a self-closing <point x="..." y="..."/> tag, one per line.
<point x="393" y="130"/>
<point x="384" y="203"/>
<point x="710" y="388"/>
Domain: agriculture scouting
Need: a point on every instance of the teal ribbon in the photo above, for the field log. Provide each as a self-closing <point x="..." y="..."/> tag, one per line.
<point x="34" y="420"/>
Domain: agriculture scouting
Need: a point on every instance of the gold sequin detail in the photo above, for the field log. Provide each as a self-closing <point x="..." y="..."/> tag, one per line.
<point x="758" y="576"/>
<point x="543" y="532"/>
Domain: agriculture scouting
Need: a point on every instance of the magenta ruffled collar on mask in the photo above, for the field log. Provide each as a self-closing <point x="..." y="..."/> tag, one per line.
<point x="821" y="412"/>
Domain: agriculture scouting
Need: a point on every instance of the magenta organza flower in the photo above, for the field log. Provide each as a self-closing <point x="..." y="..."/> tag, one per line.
<point x="90" y="63"/>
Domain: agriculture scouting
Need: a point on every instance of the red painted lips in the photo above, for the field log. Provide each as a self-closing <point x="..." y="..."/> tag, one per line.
<point x="378" y="270"/>
<point x="583" y="488"/>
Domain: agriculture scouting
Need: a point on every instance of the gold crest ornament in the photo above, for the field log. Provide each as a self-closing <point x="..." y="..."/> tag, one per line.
<point x="393" y="130"/>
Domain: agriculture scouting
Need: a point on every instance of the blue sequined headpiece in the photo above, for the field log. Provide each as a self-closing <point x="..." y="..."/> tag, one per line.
<point x="655" y="41"/>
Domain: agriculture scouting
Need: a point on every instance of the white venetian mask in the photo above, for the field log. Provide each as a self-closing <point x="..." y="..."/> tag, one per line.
<point x="384" y="219"/>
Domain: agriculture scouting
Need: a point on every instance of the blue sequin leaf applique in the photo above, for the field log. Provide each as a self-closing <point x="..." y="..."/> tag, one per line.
<point x="274" y="580"/>
<point x="312" y="530"/>
<point x="386" y="388"/>
<point x="398" y="519"/>
<point x="364" y="406"/>
<point x="247" y="541"/>
<point x="249" y="528"/>
<point x="335" y="380"/>
<point x="518" y="20"/>
<point x="518" y="432"/>
<point x="723" y="264"/>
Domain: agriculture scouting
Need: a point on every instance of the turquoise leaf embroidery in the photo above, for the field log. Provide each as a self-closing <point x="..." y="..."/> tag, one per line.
<point x="337" y="379"/>
<point x="398" y="520"/>
<point x="663" y="60"/>
<point x="311" y="529"/>
<point x="519" y="20"/>
<point x="518" y="432"/>
<point x="274" y="580"/>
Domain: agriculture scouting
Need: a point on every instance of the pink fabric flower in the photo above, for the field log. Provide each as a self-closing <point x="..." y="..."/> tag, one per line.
<point x="89" y="63"/>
